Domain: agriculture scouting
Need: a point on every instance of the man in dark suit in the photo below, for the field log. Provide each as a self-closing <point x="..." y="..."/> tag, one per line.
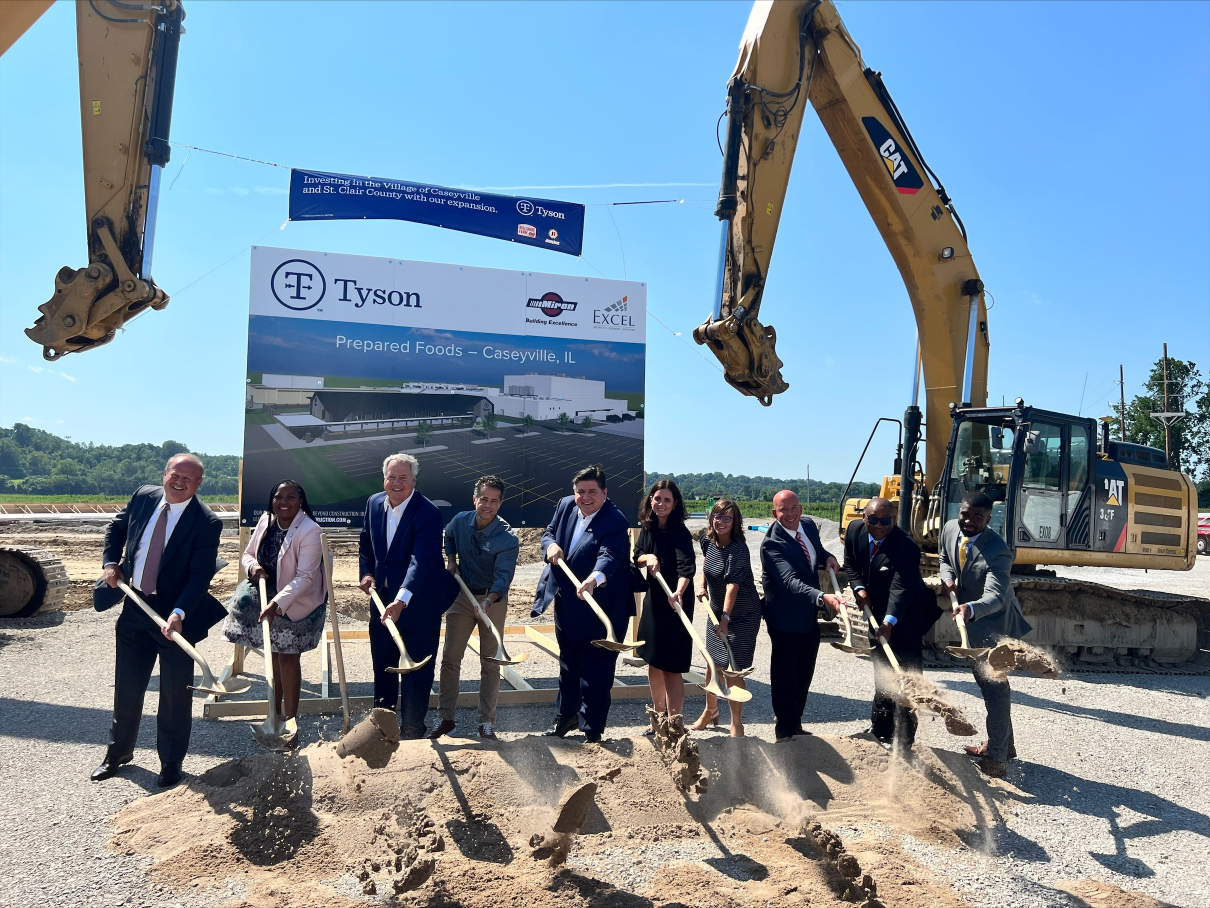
<point x="883" y="567"/>
<point x="791" y="555"/>
<point x="164" y="544"/>
<point x="591" y="535"/>
<point x="400" y="557"/>
<point x="975" y="564"/>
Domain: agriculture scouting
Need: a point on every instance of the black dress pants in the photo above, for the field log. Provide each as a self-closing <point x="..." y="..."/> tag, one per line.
<point x="410" y="691"/>
<point x="791" y="668"/>
<point x="585" y="682"/>
<point x="139" y="644"/>
<point x="891" y="721"/>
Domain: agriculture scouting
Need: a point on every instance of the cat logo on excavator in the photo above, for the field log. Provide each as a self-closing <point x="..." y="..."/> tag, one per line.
<point x="902" y="171"/>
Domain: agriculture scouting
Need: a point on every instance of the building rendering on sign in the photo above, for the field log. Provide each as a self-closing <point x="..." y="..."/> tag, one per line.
<point x="351" y="412"/>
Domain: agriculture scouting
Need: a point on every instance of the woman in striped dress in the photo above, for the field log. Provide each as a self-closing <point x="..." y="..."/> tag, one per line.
<point x="727" y="581"/>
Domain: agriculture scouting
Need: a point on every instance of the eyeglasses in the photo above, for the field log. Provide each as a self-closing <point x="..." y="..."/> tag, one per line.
<point x="722" y="518"/>
<point x="880" y="521"/>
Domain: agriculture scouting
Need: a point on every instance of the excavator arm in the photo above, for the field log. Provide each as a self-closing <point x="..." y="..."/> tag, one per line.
<point x="128" y="55"/>
<point x="797" y="52"/>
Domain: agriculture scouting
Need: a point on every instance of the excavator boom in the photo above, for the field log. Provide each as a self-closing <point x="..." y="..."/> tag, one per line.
<point x="792" y="53"/>
<point x="128" y="54"/>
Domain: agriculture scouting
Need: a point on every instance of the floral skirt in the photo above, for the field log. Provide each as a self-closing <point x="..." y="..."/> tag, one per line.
<point x="243" y="626"/>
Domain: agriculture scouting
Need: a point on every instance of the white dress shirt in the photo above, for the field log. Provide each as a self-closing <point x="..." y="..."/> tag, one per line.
<point x="812" y="555"/>
<point x="394" y="515"/>
<point x="140" y="555"/>
<point x="582" y="523"/>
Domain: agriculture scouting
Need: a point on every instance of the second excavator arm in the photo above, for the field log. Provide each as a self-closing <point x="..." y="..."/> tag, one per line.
<point x="128" y="55"/>
<point x="793" y="53"/>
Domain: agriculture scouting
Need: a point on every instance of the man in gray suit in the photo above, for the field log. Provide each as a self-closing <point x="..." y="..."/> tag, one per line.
<point x="975" y="564"/>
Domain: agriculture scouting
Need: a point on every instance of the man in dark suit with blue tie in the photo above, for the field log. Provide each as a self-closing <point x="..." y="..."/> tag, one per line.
<point x="590" y="534"/>
<point x="400" y="557"/>
<point x="791" y="556"/>
<point x="883" y="566"/>
<point x="170" y="545"/>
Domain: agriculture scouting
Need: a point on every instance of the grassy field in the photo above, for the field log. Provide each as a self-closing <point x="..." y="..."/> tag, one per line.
<point x="763" y="509"/>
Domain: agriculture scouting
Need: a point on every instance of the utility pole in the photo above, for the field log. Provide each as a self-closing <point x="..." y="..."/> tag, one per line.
<point x="1122" y="388"/>
<point x="1168" y="417"/>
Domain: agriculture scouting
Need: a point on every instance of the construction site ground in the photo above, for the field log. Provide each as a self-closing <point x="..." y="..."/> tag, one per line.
<point x="1107" y="805"/>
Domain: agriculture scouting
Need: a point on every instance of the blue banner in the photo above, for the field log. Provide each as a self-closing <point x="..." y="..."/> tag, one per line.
<point x="317" y="196"/>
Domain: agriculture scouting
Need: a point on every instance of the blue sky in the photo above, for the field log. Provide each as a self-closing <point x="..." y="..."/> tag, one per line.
<point x="1072" y="137"/>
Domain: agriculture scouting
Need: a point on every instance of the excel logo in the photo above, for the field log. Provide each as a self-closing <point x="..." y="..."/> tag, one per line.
<point x="902" y="171"/>
<point x="297" y="284"/>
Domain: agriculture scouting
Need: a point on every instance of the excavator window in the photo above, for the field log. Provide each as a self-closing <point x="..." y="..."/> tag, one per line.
<point x="1041" y="489"/>
<point x="981" y="460"/>
<point x="1077" y="465"/>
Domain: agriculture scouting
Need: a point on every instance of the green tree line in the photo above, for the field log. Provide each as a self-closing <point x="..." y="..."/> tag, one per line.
<point x="36" y="462"/>
<point x="701" y="486"/>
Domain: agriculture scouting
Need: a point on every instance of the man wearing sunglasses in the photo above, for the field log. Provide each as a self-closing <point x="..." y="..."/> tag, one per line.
<point x="882" y="564"/>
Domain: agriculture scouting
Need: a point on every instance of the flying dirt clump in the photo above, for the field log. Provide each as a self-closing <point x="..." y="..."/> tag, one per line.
<point x="678" y="751"/>
<point x="555" y="845"/>
<point x="1028" y="658"/>
<point x="843" y="869"/>
<point x="918" y="692"/>
<point x="373" y="739"/>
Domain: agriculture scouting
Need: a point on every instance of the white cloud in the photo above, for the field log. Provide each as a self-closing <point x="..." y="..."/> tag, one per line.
<point x="35" y="368"/>
<point x="64" y="375"/>
<point x="8" y="359"/>
<point x="30" y="419"/>
<point x="272" y="190"/>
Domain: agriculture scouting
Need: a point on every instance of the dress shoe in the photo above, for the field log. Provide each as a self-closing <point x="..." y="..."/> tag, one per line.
<point x="801" y="731"/>
<point x="169" y="776"/>
<point x="487" y="731"/>
<point x="592" y="737"/>
<point x="992" y="768"/>
<point x="108" y="768"/>
<point x="981" y="750"/>
<point x="446" y="726"/>
<point x="561" y="726"/>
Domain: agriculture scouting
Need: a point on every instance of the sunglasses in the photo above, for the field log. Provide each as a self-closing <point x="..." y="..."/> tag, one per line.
<point x="880" y="521"/>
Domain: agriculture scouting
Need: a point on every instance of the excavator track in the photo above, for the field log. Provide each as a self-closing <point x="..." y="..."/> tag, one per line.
<point x="1096" y="628"/>
<point x="31" y="580"/>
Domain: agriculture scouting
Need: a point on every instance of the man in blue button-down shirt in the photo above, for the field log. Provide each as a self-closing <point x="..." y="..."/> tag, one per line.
<point x="482" y="549"/>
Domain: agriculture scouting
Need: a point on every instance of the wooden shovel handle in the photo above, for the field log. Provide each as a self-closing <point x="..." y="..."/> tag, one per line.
<point x="340" y="659"/>
<point x="959" y="620"/>
<point x="483" y="616"/>
<point x="207" y="675"/>
<point x="390" y="623"/>
<point x="600" y="612"/>
<point x="264" y="601"/>
<point x="844" y="612"/>
<point x="886" y="647"/>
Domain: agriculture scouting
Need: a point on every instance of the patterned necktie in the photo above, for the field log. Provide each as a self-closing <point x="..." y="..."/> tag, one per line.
<point x="155" y="551"/>
<point x="803" y="545"/>
<point x="963" y="545"/>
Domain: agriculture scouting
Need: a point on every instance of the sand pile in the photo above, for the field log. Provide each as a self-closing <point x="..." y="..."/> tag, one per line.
<point x="452" y="824"/>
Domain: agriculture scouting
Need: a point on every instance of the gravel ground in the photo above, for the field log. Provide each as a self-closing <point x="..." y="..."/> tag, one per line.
<point x="1109" y="786"/>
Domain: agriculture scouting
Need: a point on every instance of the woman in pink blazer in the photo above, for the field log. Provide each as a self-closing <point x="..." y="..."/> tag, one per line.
<point x="285" y="549"/>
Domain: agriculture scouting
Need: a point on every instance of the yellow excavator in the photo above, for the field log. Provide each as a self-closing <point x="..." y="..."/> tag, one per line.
<point x="128" y="56"/>
<point x="1064" y="493"/>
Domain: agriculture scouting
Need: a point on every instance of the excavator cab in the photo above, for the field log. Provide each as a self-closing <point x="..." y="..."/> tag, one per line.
<point x="1059" y="497"/>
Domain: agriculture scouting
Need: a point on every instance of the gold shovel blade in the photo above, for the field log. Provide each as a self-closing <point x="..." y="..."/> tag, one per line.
<point x="230" y="688"/>
<point x="971" y="653"/>
<point x="405" y="669"/>
<point x="616" y="647"/>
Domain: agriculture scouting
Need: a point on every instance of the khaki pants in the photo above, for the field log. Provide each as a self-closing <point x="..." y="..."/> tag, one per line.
<point x="460" y="621"/>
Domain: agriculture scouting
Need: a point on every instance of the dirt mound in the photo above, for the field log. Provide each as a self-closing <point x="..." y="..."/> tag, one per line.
<point x="1096" y="894"/>
<point x="453" y="825"/>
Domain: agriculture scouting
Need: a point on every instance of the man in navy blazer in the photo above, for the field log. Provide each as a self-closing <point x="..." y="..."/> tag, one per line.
<point x="791" y="555"/>
<point x="400" y="557"/>
<point x="591" y="535"/>
<point x="164" y="544"/>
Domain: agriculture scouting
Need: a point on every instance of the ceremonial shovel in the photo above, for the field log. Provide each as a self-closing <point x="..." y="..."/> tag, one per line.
<point x="734" y="694"/>
<point x="965" y="651"/>
<point x="208" y="685"/>
<point x="273" y="733"/>
<point x="501" y="657"/>
<point x="340" y="659"/>
<point x="405" y="661"/>
<point x="847" y="646"/>
<point x="610" y="642"/>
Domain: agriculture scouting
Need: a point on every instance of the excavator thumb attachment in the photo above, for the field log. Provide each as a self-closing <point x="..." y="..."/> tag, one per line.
<point x="747" y="350"/>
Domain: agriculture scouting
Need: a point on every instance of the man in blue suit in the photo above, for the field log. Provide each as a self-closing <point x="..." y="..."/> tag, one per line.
<point x="400" y="557"/>
<point x="591" y="535"/>
<point x="791" y="556"/>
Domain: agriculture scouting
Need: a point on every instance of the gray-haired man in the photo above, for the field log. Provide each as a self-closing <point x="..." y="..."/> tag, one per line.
<point x="482" y="549"/>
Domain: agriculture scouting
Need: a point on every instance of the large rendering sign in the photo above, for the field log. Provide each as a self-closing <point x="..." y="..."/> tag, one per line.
<point x="523" y="375"/>
<point x="319" y="196"/>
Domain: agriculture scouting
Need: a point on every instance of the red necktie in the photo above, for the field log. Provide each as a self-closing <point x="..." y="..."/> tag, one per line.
<point x="802" y="543"/>
<point x="874" y="549"/>
<point x="155" y="551"/>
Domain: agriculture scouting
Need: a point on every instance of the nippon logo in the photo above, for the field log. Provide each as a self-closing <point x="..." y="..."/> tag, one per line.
<point x="551" y="304"/>
<point x="297" y="284"/>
